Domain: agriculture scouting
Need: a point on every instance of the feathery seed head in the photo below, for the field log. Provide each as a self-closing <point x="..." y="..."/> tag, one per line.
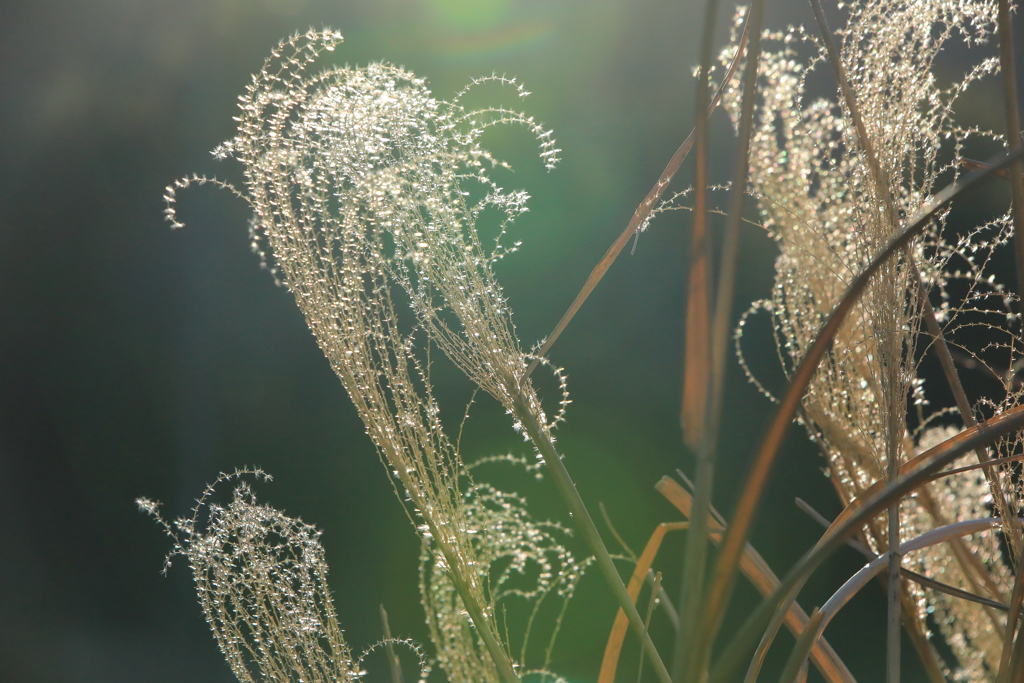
<point x="262" y="583"/>
<point x="830" y="212"/>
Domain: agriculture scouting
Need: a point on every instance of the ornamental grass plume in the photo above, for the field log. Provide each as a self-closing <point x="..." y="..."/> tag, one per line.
<point x="527" y="566"/>
<point x="355" y="177"/>
<point x="820" y="201"/>
<point x="262" y="583"/>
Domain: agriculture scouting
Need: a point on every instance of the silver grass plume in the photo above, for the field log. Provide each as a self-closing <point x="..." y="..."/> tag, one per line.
<point x="357" y="178"/>
<point x="524" y="563"/>
<point x="821" y="204"/>
<point x="823" y="209"/>
<point x="262" y="583"/>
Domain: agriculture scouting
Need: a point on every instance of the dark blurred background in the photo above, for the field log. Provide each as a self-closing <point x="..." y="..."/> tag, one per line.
<point x="136" y="360"/>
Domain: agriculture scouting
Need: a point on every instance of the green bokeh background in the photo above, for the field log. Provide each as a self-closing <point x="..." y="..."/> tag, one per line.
<point x="137" y="360"/>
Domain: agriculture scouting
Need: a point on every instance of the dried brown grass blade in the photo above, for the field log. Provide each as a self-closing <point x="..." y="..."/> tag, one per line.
<point x="697" y="345"/>
<point x="699" y="625"/>
<point x="640" y="216"/>
<point x="764" y="580"/>
<point x="972" y="165"/>
<point x="621" y="624"/>
<point x="698" y="397"/>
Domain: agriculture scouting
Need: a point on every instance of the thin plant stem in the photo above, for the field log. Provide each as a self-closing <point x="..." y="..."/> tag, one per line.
<point x="1012" y="617"/>
<point x="1017" y="661"/>
<point x="1007" y="67"/>
<point x="893" y="631"/>
<point x="940" y="587"/>
<point x="708" y="622"/>
<point x="647" y="620"/>
<point x="567" y="489"/>
<point x="990" y="463"/>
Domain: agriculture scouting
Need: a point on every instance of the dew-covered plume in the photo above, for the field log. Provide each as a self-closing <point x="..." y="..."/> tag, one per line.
<point x="370" y="151"/>
<point x="362" y="186"/>
<point x="262" y="583"/>
<point x="525" y="567"/>
<point x="358" y="179"/>
<point x="830" y="213"/>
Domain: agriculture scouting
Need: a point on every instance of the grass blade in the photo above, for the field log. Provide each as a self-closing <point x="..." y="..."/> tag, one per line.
<point x="618" y="633"/>
<point x="693" y="644"/>
<point x="795" y="663"/>
<point x="697" y="396"/>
